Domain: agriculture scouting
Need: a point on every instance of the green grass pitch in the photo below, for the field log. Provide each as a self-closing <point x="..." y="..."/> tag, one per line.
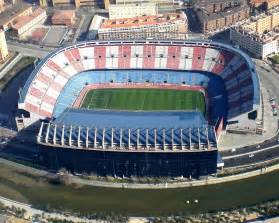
<point x="144" y="99"/>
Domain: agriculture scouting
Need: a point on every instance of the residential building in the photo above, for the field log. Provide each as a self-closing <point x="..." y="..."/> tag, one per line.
<point x="24" y="24"/>
<point x="43" y="3"/>
<point x="2" y="6"/>
<point x="167" y="26"/>
<point x="61" y="3"/>
<point x="78" y="3"/>
<point x="13" y="12"/>
<point x="90" y="3"/>
<point x="107" y="4"/>
<point x="268" y="4"/>
<point x="126" y="2"/>
<point x="217" y="15"/>
<point x="4" y="53"/>
<point x="259" y="36"/>
<point x="64" y="17"/>
<point x="120" y="11"/>
<point x="94" y="27"/>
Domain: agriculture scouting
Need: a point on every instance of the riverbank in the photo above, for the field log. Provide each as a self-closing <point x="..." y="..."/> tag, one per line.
<point x="227" y="175"/>
<point x="263" y="211"/>
<point x="182" y="184"/>
<point x="13" y="68"/>
<point x="46" y="194"/>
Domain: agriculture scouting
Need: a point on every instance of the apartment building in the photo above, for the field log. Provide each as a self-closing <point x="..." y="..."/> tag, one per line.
<point x="216" y="15"/>
<point x="120" y="11"/>
<point x="127" y="2"/>
<point x="268" y="4"/>
<point x="259" y="36"/>
<point x="64" y="17"/>
<point x="167" y="26"/>
<point x="78" y="3"/>
<point x="4" y="53"/>
<point x="12" y="13"/>
<point x="94" y="27"/>
<point x="23" y="24"/>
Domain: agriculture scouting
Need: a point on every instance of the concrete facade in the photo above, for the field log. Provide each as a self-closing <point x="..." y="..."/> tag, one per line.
<point x="218" y="15"/>
<point x="25" y="23"/>
<point x="8" y="17"/>
<point x="264" y="3"/>
<point x="63" y="17"/>
<point x="3" y="46"/>
<point x="168" y="26"/>
<point x="259" y="36"/>
<point x="120" y="11"/>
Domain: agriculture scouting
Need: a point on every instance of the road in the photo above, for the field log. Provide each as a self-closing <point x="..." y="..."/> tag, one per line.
<point x="252" y="154"/>
<point x="258" y="152"/>
<point x="268" y="77"/>
<point x="29" y="50"/>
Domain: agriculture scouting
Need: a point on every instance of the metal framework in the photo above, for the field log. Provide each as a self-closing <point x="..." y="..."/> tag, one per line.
<point x="127" y="139"/>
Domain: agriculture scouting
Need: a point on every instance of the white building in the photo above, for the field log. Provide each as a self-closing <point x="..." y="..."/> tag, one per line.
<point x="259" y="46"/>
<point x="259" y="36"/>
<point x="94" y="26"/>
<point x="4" y="53"/>
<point x="161" y="26"/>
<point x="120" y="11"/>
<point x="24" y="24"/>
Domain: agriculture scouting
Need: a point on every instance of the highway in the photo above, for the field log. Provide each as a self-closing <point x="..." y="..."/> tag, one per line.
<point x="252" y="154"/>
<point x="253" y="158"/>
<point x="268" y="149"/>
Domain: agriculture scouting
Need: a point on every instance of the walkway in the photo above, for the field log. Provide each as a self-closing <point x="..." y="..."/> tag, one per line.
<point x="31" y="212"/>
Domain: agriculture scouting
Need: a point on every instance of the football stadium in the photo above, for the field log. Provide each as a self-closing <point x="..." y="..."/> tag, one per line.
<point x="139" y="108"/>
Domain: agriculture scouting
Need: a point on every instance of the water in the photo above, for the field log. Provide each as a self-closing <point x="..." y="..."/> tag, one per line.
<point x="132" y="202"/>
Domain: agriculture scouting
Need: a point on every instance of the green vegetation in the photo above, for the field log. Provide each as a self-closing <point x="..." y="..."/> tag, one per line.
<point x="275" y="59"/>
<point x="243" y="214"/>
<point x="144" y="99"/>
<point x="22" y="63"/>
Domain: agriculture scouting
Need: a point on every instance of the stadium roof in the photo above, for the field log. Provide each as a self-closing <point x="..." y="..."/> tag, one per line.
<point x="131" y="119"/>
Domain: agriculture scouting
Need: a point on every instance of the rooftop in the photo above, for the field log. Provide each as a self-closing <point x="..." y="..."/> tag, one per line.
<point x="265" y="37"/>
<point x="206" y="3"/>
<point x="13" y="11"/>
<point x="261" y="1"/>
<point x="96" y="22"/>
<point x="204" y="16"/>
<point x="142" y="4"/>
<point x="132" y="119"/>
<point x="23" y="20"/>
<point x="63" y="14"/>
<point x="143" y="20"/>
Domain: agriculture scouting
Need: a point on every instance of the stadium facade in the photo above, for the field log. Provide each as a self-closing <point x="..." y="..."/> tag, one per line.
<point x="140" y="143"/>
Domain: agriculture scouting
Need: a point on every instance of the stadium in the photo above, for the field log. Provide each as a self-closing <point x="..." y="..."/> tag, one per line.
<point x="139" y="108"/>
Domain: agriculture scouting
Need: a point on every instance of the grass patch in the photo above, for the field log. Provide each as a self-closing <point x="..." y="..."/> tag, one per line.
<point x="20" y="65"/>
<point x="144" y="99"/>
<point x="275" y="59"/>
